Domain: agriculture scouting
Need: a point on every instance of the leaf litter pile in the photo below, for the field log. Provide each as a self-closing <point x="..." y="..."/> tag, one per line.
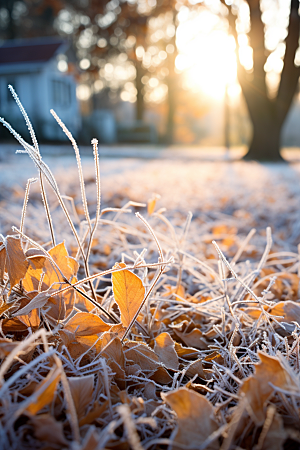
<point x="150" y="330"/>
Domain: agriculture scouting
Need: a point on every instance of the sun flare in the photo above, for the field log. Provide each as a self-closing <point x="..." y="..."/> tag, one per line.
<point x="207" y="55"/>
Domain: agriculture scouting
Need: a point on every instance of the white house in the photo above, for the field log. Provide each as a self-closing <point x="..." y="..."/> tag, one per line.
<point x="38" y="71"/>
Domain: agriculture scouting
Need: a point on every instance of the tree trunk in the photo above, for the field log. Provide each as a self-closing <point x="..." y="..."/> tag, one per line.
<point x="265" y="143"/>
<point x="267" y="115"/>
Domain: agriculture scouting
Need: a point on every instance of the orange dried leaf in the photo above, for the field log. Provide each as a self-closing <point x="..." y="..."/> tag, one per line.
<point x="44" y="393"/>
<point x="86" y="324"/>
<point x="290" y="311"/>
<point x="36" y="258"/>
<point x="152" y="203"/>
<point x="13" y="260"/>
<point x="196" y="419"/>
<point x="5" y="307"/>
<point x="256" y="389"/>
<point x="67" y="264"/>
<point x="129" y="293"/>
<point x="165" y="349"/>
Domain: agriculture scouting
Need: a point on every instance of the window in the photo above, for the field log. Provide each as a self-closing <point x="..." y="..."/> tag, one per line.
<point x="61" y="93"/>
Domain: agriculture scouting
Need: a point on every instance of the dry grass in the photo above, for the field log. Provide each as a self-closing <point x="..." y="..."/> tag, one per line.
<point x="211" y="361"/>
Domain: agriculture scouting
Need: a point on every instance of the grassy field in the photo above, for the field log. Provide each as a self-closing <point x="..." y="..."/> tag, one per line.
<point x="174" y="328"/>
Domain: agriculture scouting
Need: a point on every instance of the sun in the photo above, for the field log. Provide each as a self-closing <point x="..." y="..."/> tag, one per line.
<point x="207" y="55"/>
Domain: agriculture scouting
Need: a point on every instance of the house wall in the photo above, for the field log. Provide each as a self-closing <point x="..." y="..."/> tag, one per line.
<point x="36" y="92"/>
<point x="59" y="94"/>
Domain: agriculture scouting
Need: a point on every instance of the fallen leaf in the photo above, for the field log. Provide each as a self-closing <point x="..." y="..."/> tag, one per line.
<point x="289" y="310"/>
<point x="185" y="352"/>
<point x="142" y="355"/>
<point x="128" y="292"/>
<point x="165" y="349"/>
<point x="13" y="260"/>
<point x="5" y="307"/>
<point x="96" y="412"/>
<point x="13" y="326"/>
<point x="82" y="392"/>
<point x="161" y="376"/>
<point x="38" y="301"/>
<point x="196" y="368"/>
<point x="60" y="305"/>
<point x="44" y="393"/>
<point x="152" y="203"/>
<point x="47" y="429"/>
<point x="36" y="258"/>
<point x="195" y="419"/>
<point x="256" y="389"/>
<point x="86" y="324"/>
<point x="193" y="339"/>
<point x="275" y="434"/>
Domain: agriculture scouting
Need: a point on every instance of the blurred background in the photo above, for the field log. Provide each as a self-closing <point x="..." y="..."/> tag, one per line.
<point x="190" y="72"/>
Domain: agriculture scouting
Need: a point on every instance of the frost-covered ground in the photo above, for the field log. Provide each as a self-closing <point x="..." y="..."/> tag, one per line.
<point x="228" y="319"/>
<point x="240" y="195"/>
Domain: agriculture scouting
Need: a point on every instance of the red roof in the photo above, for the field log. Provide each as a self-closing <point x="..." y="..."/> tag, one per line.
<point x="38" y="51"/>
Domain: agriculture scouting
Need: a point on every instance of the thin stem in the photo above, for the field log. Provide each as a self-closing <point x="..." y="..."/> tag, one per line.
<point x="47" y="209"/>
<point x="26" y="198"/>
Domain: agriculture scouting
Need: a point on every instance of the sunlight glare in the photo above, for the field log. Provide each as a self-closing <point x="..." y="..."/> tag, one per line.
<point x="206" y="57"/>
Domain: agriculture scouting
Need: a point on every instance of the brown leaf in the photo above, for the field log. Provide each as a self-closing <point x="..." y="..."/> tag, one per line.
<point x="61" y="305"/>
<point x="196" y="368"/>
<point x="67" y="264"/>
<point x="31" y="320"/>
<point x="185" y="352"/>
<point x="192" y="339"/>
<point x="47" y="429"/>
<point x="14" y="261"/>
<point x="129" y="293"/>
<point x="36" y="258"/>
<point x="44" y="393"/>
<point x="111" y="347"/>
<point x="5" y="307"/>
<point x="38" y="301"/>
<point x="86" y="324"/>
<point x="195" y="416"/>
<point x="256" y="389"/>
<point x="82" y="392"/>
<point x="2" y="260"/>
<point x="96" y="412"/>
<point x="142" y="355"/>
<point x="13" y="326"/>
<point x="161" y="376"/>
<point x="165" y="349"/>
<point x="273" y="434"/>
<point x="290" y="311"/>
